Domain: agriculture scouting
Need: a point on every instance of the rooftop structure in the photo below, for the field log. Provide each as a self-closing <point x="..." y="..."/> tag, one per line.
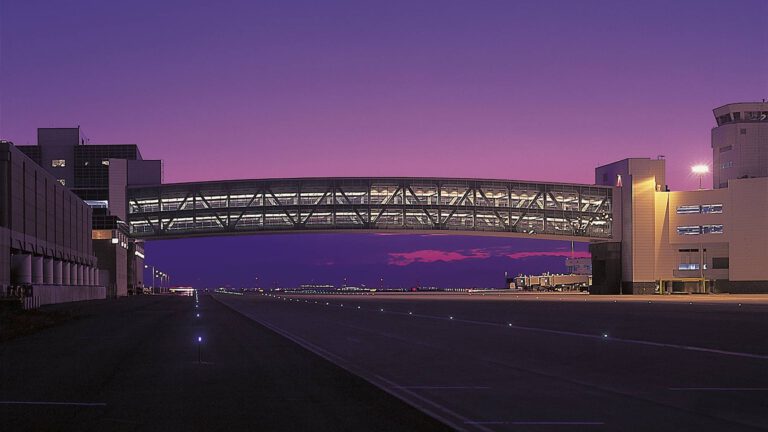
<point x="739" y="142"/>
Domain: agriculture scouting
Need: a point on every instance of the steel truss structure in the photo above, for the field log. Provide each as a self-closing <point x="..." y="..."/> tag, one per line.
<point x="467" y="206"/>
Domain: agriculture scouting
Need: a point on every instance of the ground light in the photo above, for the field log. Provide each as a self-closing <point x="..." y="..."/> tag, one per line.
<point x="199" y="349"/>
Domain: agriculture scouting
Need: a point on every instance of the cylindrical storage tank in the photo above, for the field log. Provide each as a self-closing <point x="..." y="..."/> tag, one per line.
<point x="48" y="271"/>
<point x="57" y="267"/>
<point x="72" y="273"/>
<point x="21" y="269"/>
<point x="37" y="270"/>
<point x="80" y="280"/>
<point x="66" y="273"/>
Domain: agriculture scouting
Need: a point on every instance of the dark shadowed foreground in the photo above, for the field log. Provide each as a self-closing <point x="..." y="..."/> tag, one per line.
<point x="132" y="365"/>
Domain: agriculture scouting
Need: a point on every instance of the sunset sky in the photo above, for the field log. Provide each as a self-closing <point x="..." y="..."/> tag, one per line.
<point x="543" y="90"/>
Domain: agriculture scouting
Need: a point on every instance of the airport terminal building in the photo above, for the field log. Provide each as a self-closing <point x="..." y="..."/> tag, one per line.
<point x="46" y="253"/>
<point x="99" y="175"/>
<point x="708" y="240"/>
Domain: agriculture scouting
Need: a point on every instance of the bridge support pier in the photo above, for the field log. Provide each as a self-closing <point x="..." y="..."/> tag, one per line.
<point x="606" y="268"/>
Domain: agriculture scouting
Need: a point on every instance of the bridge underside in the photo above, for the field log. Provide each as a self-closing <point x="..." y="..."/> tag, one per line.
<point x="395" y="205"/>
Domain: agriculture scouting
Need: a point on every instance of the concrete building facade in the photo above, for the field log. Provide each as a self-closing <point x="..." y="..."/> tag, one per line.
<point x="99" y="174"/>
<point x="46" y="254"/>
<point x="693" y="241"/>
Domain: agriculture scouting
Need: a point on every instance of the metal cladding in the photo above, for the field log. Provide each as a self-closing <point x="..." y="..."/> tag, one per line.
<point x="464" y="206"/>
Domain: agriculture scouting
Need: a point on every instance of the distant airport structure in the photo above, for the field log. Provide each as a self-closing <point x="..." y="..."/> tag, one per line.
<point x="643" y="237"/>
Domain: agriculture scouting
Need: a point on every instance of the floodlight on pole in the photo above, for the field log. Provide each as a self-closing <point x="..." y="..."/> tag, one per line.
<point x="700" y="170"/>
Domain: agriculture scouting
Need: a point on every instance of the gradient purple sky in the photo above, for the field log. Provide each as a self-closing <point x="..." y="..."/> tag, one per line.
<point x="543" y="90"/>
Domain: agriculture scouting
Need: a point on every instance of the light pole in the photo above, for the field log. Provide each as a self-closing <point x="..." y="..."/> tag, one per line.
<point x="146" y="266"/>
<point x="700" y="170"/>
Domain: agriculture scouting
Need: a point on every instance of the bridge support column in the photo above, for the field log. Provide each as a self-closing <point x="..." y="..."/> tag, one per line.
<point x="606" y="268"/>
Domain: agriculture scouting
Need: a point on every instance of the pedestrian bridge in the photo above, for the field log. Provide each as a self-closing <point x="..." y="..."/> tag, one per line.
<point x="402" y="205"/>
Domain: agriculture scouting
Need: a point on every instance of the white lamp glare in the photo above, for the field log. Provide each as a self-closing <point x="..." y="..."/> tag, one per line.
<point x="700" y="169"/>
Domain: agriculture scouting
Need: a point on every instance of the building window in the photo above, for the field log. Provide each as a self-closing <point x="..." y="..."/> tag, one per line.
<point x="688" y="266"/>
<point x="743" y="131"/>
<point x="704" y="208"/>
<point x="105" y="162"/>
<point x="62" y="181"/>
<point x="723" y="119"/>
<point x="711" y="229"/>
<point x="725" y="149"/>
<point x="725" y="165"/>
<point x="688" y="209"/>
<point x="59" y="163"/>
<point x="689" y="230"/>
<point x="98" y="203"/>
<point x="720" y="263"/>
<point x="700" y="229"/>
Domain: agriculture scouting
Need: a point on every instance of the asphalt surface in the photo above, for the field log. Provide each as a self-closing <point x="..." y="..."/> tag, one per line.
<point x="132" y="365"/>
<point x="548" y="364"/>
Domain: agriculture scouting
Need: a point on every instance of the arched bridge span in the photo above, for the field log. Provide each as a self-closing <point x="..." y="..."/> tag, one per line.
<point x="433" y="205"/>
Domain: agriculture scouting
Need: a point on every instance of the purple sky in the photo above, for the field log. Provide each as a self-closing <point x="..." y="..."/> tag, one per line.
<point x="542" y="90"/>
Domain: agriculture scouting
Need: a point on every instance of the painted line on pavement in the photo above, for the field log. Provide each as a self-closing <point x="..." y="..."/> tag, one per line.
<point x="729" y="389"/>
<point x="603" y="337"/>
<point x="538" y="423"/>
<point x="89" y="404"/>
<point x="408" y="396"/>
<point x="444" y="387"/>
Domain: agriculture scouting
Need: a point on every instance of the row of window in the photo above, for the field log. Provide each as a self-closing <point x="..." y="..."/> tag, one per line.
<point x="703" y="208"/>
<point x="61" y="163"/>
<point x="726" y="165"/>
<point x="747" y="116"/>
<point x="700" y="229"/>
<point x="717" y="264"/>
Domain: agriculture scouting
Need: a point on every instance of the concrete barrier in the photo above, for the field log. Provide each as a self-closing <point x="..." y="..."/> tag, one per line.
<point x="52" y="294"/>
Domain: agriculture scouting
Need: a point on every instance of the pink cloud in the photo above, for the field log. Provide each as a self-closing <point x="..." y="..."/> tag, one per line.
<point x="565" y="254"/>
<point x="432" y="255"/>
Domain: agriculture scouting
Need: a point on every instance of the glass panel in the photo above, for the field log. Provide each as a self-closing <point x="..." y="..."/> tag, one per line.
<point x="689" y="230"/>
